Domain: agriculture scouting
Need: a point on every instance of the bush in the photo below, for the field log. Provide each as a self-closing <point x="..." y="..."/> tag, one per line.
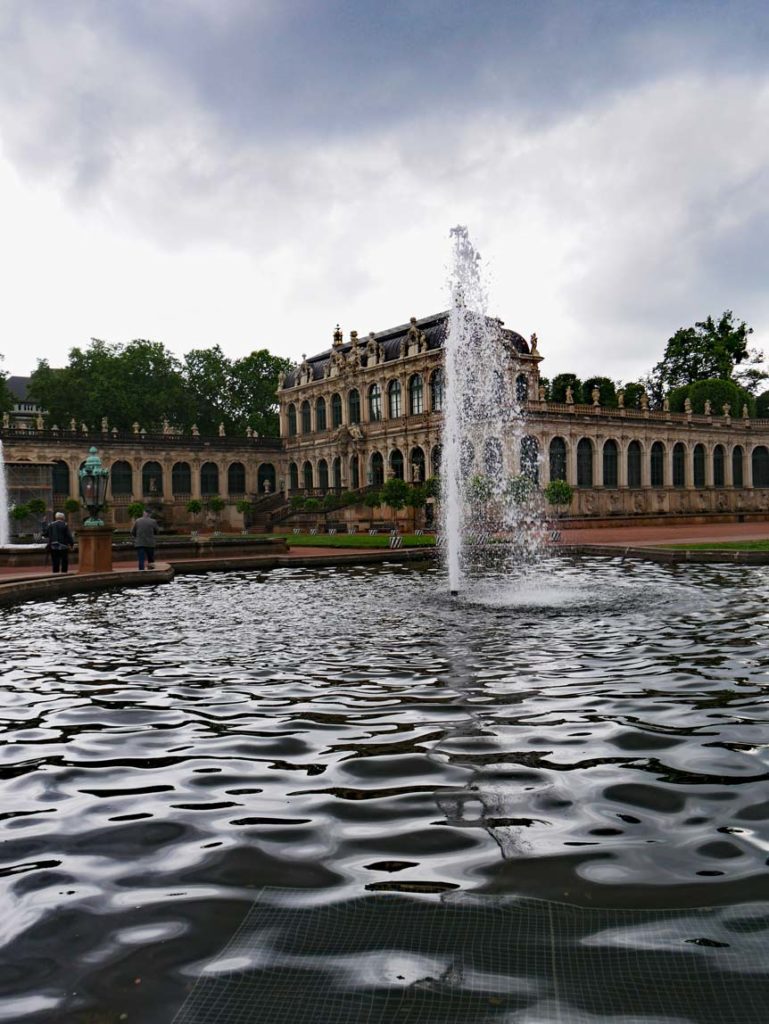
<point x="559" y="493"/>
<point x="330" y="501"/>
<point x="36" y="506"/>
<point x="194" y="506"/>
<point x="19" y="512"/>
<point x="311" y="505"/>
<point x="243" y="506"/>
<point x="215" y="504"/>
<point x="71" y="505"/>
<point x="297" y="502"/>
<point x="135" y="509"/>
<point x="372" y="499"/>
<point x="395" y="493"/>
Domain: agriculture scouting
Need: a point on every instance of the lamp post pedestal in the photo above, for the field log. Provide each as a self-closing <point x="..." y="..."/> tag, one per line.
<point x="95" y="549"/>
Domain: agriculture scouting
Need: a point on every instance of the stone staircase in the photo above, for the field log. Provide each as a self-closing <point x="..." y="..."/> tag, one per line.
<point x="265" y="511"/>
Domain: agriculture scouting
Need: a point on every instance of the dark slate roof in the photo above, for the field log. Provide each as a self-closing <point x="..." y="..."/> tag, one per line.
<point x="434" y="328"/>
<point x="18" y="388"/>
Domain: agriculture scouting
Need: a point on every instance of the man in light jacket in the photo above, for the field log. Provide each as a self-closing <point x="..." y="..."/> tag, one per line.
<point x="143" y="532"/>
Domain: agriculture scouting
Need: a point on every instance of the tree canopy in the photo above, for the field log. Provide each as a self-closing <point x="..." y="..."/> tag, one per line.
<point x="6" y="398"/>
<point x="142" y="382"/>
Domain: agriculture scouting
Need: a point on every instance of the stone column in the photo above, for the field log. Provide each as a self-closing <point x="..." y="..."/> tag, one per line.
<point x="689" y="466"/>
<point x="195" y="465"/>
<point x="709" y="464"/>
<point x="622" y="467"/>
<point x="646" y="464"/>
<point x="728" y="466"/>
<point x="571" y="461"/>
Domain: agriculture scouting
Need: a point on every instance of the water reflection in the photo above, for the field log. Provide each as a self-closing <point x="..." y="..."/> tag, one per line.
<point x="169" y="752"/>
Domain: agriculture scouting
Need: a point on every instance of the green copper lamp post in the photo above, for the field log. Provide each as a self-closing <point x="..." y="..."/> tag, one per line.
<point x="93" y="487"/>
<point x="94" y="539"/>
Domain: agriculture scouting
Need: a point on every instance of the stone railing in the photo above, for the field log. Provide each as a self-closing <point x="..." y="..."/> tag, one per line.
<point x="127" y="438"/>
<point x="534" y="407"/>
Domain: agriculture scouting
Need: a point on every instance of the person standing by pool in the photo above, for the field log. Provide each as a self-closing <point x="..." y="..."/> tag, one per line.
<point x="60" y="542"/>
<point x="143" y="532"/>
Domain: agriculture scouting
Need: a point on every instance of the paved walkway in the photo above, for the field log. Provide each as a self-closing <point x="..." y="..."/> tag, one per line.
<point x="674" y="533"/>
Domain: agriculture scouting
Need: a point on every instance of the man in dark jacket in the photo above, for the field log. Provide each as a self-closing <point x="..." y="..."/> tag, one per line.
<point x="143" y="532"/>
<point x="60" y="542"/>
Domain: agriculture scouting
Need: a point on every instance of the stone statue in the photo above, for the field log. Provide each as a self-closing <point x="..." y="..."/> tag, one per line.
<point x="533" y="343"/>
<point x="727" y="409"/>
<point x="644" y="401"/>
<point x="39" y="422"/>
<point x="744" y="412"/>
<point x="281" y="380"/>
<point x="666" y="404"/>
<point x="595" y="394"/>
<point x="621" y="399"/>
<point x="135" y="427"/>
<point x="195" y="431"/>
<point x="248" y="431"/>
<point x="6" y="420"/>
<point x="267" y="487"/>
<point x="72" y="425"/>
<point x="569" y="395"/>
<point x="708" y="407"/>
<point x="83" y="428"/>
<point x="221" y="430"/>
<point x="166" y="426"/>
<point x="542" y="397"/>
<point x="688" y="406"/>
<point x="104" y="425"/>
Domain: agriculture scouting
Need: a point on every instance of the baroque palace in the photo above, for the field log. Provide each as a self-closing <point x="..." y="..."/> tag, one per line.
<point x="369" y="408"/>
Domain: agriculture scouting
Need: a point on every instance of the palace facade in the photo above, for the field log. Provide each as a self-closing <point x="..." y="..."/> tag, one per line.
<point x="370" y="408"/>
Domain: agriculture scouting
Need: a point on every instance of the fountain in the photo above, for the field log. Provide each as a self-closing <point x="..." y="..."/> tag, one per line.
<point x="4" y="527"/>
<point x="488" y="507"/>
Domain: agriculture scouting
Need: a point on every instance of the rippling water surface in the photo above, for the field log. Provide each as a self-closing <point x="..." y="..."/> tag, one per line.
<point x="597" y="737"/>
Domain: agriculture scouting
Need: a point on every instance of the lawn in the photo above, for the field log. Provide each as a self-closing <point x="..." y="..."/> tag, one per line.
<point x="354" y="540"/>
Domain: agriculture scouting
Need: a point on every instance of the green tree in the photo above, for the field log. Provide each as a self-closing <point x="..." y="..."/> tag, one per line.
<point x="707" y="351"/>
<point x="394" y="494"/>
<point x="6" y="398"/>
<point x="559" y="385"/>
<point x="71" y="505"/>
<point x="135" y="509"/>
<point x="416" y="499"/>
<point x="717" y="392"/>
<point x="633" y="391"/>
<point x="606" y="388"/>
<point x="255" y="391"/>
<point x="559" y="494"/>
<point x="36" y="506"/>
<point x="207" y="375"/>
<point x="20" y="512"/>
<point x="762" y="405"/>
<point x="372" y="500"/>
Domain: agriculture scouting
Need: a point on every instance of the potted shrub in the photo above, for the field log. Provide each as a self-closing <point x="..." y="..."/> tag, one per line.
<point x="216" y="506"/>
<point x="558" y="493"/>
<point x="372" y="500"/>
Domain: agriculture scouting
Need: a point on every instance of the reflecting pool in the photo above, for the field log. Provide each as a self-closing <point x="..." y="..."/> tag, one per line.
<point x="586" y="747"/>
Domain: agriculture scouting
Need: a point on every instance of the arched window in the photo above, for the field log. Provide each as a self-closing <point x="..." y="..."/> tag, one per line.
<point x="60" y="478"/>
<point x="181" y="478"/>
<point x="436" y="457"/>
<point x="122" y="479"/>
<point x="209" y="479"/>
<point x="679" y="465"/>
<point x="323" y="475"/>
<point x="152" y="480"/>
<point x="521" y="388"/>
<point x="610" y="463"/>
<point x="416" y="395"/>
<point x="394" y="399"/>
<point x="760" y="459"/>
<point x="354" y="472"/>
<point x="307" y="475"/>
<point x="236" y="478"/>
<point x="377" y="469"/>
<point x="353" y="405"/>
<point x="738" y="461"/>
<point x="293" y="476"/>
<point x="557" y="453"/>
<point x="336" y="470"/>
<point x="436" y="390"/>
<point x="417" y="466"/>
<point x="492" y="457"/>
<point x="336" y="411"/>
<point x="265" y="478"/>
<point x="585" y="463"/>
<point x="634" y="464"/>
<point x="292" y="420"/>
<point x="320" y="414"/>
<point x="699" y="465"/>
<point x="375" y="403"/>
<point x="718" y="466"/>
<point x="658" y="464"/>
<point x="530" y="458"/>
<point x="396" y="463"/>
<point x="306" y="418"/>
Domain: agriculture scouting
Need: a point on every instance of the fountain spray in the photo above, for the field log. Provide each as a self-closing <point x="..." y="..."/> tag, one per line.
<point x="486" y="500"/>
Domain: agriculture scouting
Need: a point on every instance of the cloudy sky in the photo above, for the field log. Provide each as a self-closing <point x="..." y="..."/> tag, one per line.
<point x="250" y="172"/>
